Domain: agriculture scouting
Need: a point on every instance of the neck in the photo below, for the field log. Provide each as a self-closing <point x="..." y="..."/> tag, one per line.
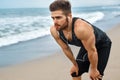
<point x="69" y="26"/>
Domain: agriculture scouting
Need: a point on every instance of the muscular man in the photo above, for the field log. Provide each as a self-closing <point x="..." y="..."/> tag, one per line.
<point x="95" y="44"/>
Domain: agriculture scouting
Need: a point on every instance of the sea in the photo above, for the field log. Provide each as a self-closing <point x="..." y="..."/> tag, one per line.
<point x="24" y="24"/>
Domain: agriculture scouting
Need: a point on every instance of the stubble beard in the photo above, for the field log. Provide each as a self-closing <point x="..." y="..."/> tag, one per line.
<point x="65" y="26"/>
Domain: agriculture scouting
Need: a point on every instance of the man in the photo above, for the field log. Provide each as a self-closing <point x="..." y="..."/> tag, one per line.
<point x="95" y="44"/>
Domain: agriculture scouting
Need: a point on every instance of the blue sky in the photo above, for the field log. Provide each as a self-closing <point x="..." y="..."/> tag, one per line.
<point x="45" y="3"/>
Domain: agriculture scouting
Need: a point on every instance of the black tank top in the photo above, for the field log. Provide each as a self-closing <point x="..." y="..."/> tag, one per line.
<point x="100" y="36"/>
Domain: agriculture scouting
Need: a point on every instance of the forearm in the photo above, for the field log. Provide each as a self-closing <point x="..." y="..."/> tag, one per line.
<point x="70" y="55"/>
<point x="93" y="58"/>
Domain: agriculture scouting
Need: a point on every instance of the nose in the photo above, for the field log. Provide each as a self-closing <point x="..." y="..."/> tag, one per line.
<point x="55" y="20"/>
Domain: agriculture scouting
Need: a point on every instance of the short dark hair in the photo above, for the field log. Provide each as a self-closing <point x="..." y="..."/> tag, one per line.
<point x="63" y="5"/>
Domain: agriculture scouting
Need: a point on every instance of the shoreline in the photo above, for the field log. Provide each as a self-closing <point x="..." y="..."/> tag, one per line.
<point x="40" y="50"/>
<point x="27" y="51"/>
<point x="57" y="66"/>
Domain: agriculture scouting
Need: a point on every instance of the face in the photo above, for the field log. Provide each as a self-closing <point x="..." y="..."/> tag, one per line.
<point x="59" y="19"/>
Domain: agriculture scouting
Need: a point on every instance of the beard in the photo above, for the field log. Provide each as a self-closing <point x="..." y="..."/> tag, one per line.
<point x="61" y="27"/>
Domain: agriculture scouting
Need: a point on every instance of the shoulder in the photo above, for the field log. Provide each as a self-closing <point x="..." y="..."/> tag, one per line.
<point x="81" y="24"/>
<point x="82" y="28"/>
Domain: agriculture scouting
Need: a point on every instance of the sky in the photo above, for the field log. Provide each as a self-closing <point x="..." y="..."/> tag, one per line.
<point x="45" y="3"/>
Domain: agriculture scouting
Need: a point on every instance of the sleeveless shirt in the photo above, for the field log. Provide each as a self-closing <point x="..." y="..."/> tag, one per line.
<point x="101" y="38"/>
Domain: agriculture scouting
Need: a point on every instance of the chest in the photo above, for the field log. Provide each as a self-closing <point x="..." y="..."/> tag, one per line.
<point x="70" y="38"/>
<point x="68" y="35"/>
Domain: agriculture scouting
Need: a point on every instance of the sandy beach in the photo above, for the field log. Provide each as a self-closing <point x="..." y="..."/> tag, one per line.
<point x="57" y="66"/>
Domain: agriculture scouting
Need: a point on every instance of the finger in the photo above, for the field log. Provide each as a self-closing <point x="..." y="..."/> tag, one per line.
<point x="100" y="77"/>
<point x="94" y="78"/>
<point x="91" y="78"/>
<point x="72" y="70"/>
<point x="76" y="72"/>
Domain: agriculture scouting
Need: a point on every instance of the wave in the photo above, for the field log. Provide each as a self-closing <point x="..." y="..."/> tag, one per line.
<point x="16" y="25"/>
<point x="91" y="17"/>
<point x="17" y="29"/>
<point x="116" y="13"/>
<point x="8" y="40"/>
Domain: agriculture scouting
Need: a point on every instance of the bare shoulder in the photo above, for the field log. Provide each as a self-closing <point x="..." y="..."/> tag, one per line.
<point x="82" y="28"/>
<point x="82" y="25"/>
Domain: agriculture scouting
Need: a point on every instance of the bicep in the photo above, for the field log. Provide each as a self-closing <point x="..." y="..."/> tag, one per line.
<point x="89" y="42"/>
<point x="85" y="33"/>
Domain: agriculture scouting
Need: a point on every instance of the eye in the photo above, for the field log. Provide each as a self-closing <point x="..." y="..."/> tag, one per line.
<point x="58" y="17"/>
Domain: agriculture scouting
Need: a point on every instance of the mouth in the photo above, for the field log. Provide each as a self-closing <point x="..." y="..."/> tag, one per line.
<point x="57" y="26"/>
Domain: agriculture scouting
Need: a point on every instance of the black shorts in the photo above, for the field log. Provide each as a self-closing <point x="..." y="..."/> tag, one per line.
<point x="83" y="62"/>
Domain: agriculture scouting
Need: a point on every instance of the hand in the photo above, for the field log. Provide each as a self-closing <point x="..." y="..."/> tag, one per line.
<point x="74" y="69"/>
<point x="95" y="75"/>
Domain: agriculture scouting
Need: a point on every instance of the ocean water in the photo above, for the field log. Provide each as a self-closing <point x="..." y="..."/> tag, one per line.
<point x="24" y="24"/>
<point x="17" y="25"/>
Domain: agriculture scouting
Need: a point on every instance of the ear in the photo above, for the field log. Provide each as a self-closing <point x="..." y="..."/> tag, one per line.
<point x="69" y="15"/>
